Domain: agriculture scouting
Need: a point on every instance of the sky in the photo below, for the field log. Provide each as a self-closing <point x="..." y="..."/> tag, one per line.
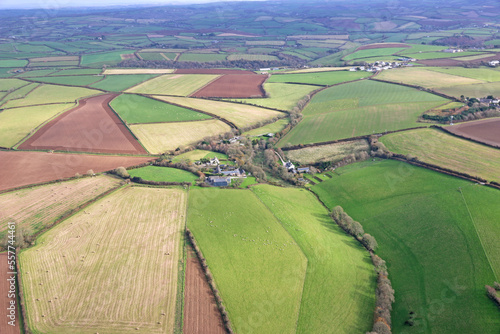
<point x="52" y="4"/>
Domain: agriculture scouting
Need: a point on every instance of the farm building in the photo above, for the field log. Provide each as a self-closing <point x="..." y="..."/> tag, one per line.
<point x="303" y="170"/>
<point x="219" y="181"/>
<point x="232" y="172"/>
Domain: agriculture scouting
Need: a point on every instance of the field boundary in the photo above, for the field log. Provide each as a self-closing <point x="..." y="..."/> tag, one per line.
<point x="205" y="85"/>
<point x="20" y="295"/>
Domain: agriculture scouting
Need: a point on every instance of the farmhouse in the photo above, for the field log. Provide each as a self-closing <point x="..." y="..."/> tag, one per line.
<point x="494" y="63"/>
<point x="219" y="181"/>
<point x="303" y="170"/>
<point x="233" y="172"/>
<point x="214" y="161"/>
<point x="453" y="50"/>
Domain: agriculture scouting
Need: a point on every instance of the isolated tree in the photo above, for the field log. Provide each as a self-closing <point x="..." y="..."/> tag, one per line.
<point x="369" y="242"/>
<point x="122" y="172"/>
<point x="90" y="172"/>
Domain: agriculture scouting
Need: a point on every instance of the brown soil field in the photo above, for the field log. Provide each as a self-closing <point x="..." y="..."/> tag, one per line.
<point x="90" y="127"/>
<point x="128" y="56"/>
<point x="234" y="86"/>
<point x="456" y="61"/>
<point x="210" y="71"/>
<point x="486" y="131"/>
<point x="383" y="45"/>
<point x="5" y="328"/>
<point x="60" y="58"/>
<point x="200" y="310"/>
<point x="25" y="168"/>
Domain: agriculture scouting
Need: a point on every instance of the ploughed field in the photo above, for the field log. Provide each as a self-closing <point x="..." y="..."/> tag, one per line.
<point x="234" y="86"/>
<point x="486" y="131"/>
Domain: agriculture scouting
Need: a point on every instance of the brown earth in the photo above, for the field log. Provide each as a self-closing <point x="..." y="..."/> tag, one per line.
<point x="200" y="310"/>
<point x="234" y="86"/>
<point x="5" y="328"/>
<point x="210" y="71"/>
<point x="25" y="168"/>
<point x="90" y="127"/>
<point x="383" y="45"/>
<point x="486" y="131"/>
<point x="456" y="61"/>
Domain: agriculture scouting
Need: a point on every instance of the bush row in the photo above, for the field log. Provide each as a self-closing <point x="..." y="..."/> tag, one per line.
<point x="353" y="228"/>
<point x="211" y="282"/>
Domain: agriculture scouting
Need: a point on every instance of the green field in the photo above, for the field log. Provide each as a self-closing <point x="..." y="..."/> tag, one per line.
<point x="75" y="80"/>
<point x="139" y="109"/>
<point x="319" y="78"/>
<point x="118" y="83"/>
<point x="151" y="56"/>
<point x="13" y="63"/>
<point x="174" y="84"/>
<point x="439" y="148"/>
<point x="269" y="128"/>
<point x="97" y="59"/>
<point x="131" y="225"/>
<point x="438" y="55"/>
<point x="252" y="57"/>
<point x="17" y="123"/>
<point x="35" y="73"/>
<point x="77" y="71"/>
<point x="163" y="174"/>
<point x="202" y="57"/>
<point x="258" y="268"/>
<point x="438" y="235"/>
<point x="11" y="84"/>
<point x="332" y="153"/>
<point x="282" y="96"/>
<point x="347" y="301"/>
<point x="475" y="90"/>
<point x="484" y="74"/>
<point x="373" y="53"/>
<point x="20" y="93"/>
<point x="360" y="108"/>
<point x="196" y="155"/>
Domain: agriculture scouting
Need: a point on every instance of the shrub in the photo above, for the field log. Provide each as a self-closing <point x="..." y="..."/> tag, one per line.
<point x="122" y="172"/>
<point x="369" y="242"/>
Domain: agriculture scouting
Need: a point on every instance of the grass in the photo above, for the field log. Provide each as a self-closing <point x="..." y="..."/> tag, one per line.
<point x="174" y="84"/>
<point x="20" y="92"/>
<point x="373" y="53"/>
<point x="202" y="57"/>
<point x="163" y="174"/>
<point x="339" y="290"/>
<point x="15" y="124"/>
<point x="11" y="84"/>
<point x="282" y="96"/>
<point x="151" y="56"/>
<point x="98" y="59"/>
<point x="37" y="207"/>
<point x="76" y="80"/>
<point x="438" y="55"/>
<point x="258" y="268"/>
<point x="332" y="152"/>
<point x="139" y="109"/>
<point x="319" y="78"/>
<point x="13" y="63"/>
<point x="53" y="63"/>
<point x="433" y="241"/>
<point x="439" y="148"/>
<point x="118" y="71"/>
<point x="360" y="108"/>
<point x="115" y="83"/>
<point x="77" y="71"/>
<point x="483" y="74"/>
<point x="248" y="181"/>
<point x="60" y="272"/>
<point x="51" y="94"/>
<point x="475" y="90"/>
<point x="241" y="115"/>
<point x="196" y="155"/>
<point x="35" y="73"/>
<point x="252" y="57"/>
<point x="269" y="128"/>
<point x="162" y="137"/>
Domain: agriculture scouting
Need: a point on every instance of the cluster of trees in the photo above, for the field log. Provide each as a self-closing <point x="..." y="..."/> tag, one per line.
<point x="23" y="238"/>
<point x="462" y="41"/>
<point x="353" y="228"/>
<point x="494" y="292"/>
<point x="384" y="297"/>
<point x="474" y="110"/>
<point x="378" y="149"/>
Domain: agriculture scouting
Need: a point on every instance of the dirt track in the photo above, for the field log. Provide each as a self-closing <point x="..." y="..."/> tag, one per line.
<point x="486" y="130"/>
<point x="23" y="168"/>
<point x="234" y="86"/>
<point x="5" y="328"/>
<point x="210" y="71"/>
<point x="200" y="310"/>
<point x="90" y="127"/>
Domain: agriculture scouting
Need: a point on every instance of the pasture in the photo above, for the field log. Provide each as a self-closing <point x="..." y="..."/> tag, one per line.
<point x="107" y="243"/>
<point x="436" y="241"/>
<point x="118" y="71"/>
<point x="196" y="155"/>
<point x="252" y="57"/>
<point x="139" y="109"/>
<point x="319" y="78"/>
<point x="202" y="57"/>
<point x="174" y="84"/>
<point x="347" y="301"/>
<point x="163" y="174"/>
<point x="332" y="152"/>
<point x="484" y="74"/>
<point x="241" y="115"/>
<point x="76" y="80"/>
<point x="38" y="207"/>
<point x="439" y="148"/>
<point x="115" y="83"/>
<point x="20" y="93"/>
<point x="269" y="128"/>
<point x="98" y="59"/>
<point x="426" y="77"/>
<point x="17" y="123"/>
<point x="258" y="268"/>
<point x="373" y="53"/>
<point x="161" y="137"/>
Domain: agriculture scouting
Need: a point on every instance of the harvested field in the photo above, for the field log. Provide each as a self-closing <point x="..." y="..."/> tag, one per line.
<point x="383" y="45"/>
<point x="200" y="310"/>
<point x="161" y="137"/>
<point x="486" y="130"/>
<point x="210" y="71"/>
<point x="174" y="84"/>
<point x="24" y="168"/>
<point x="441" y="62"/>
<point x="97" y="257"/>
<point x="333" y="152"/>
<point x="38" y="207"/>
<point x="5" y="328"/>
<point x="426" y="78"/>
<point x="138" y="71"/>
<point x="90" y="127"/>
<point x="234" y="86"/>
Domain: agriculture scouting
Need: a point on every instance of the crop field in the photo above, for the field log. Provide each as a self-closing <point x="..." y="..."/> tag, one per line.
<point x="90" y="127"/>
<point x="161" y="137"/>
<point x="41" y="167"/>
<point x="435" y="240"/>
<point x="174" y="84"/>
<point x="38" y="207"/>
<point x="252" y="259"/>
<point x="202" y="57"/>
<point x="5" y="286"/>
<point x="439" y="148"/>
<point x="269" y="128"/>
<point x="483" y="74"/>
<point x="128" y="226"/>
<point x="475" y="90"/>
<point x="476" y="57"/>
<point x="241" y="115"/>
<point x="115" y="83"/>
<point x="346" y="303"/>
<point x="163" y="174"/>
<point x="438" y="55"/>
<point x="344" y="112"/>
<point x="11" y="84"/>
<point x="282" y="96"/>
<point x="118" y="71"/>
<point x="20" y="93"/>
<point x="485" y="131"/>
<point x="426" y="77"/>
<point x="319" y="78"/>
<point x="139" y="109"/>
<point x="332" y="152"/>
<point x="151" y="56"/>
<point x="17" y="123"/>
<point x="317" y="69"/>
<point x="76" y="80"/>
<point x="51" y="94"/>
<point x="234" y="86"/>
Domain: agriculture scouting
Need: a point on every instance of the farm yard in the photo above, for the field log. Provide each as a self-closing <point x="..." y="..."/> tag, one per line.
<point x="109" y="248"/>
